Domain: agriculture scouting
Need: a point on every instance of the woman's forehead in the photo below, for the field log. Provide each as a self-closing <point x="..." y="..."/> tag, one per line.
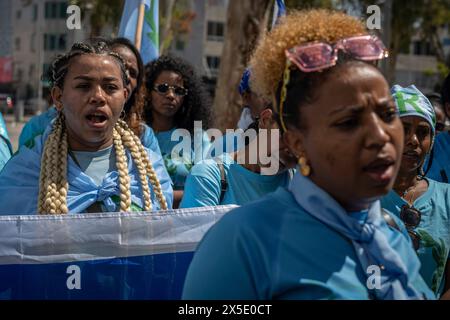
<point x="94" y="64"/>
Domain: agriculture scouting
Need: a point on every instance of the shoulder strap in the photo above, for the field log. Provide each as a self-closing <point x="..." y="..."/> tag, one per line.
<point x="223" y="182"/>
<point x="389" y="220"/>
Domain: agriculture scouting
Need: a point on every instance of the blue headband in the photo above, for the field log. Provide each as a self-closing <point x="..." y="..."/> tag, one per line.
<point x="411" y="102"/>
<point x="244" y="85"/>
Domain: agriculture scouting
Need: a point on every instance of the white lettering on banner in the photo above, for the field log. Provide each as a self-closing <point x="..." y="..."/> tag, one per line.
<point x="74" y="280"/>
<point x="374" y="278"/>
<point x="374" y="21"/>
<point x="74" y="20"/>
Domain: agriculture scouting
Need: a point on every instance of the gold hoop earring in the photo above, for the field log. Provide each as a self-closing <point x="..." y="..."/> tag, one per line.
<point x="122" y="115"/>
<point x="305" y="169"/>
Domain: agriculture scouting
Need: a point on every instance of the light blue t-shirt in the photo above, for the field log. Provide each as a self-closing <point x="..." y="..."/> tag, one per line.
<point x="5" y="145"/>
<point x="434" y="230"/>
<point x="440" y="168"/>
<point x="96" y="164"/>
<point x="203" y="185"/>
<point x="180" y="167"/>
<point x="274" y="249"/>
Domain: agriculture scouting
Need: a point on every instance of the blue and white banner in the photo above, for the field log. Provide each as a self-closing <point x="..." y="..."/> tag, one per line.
<point x="100" y="256"/>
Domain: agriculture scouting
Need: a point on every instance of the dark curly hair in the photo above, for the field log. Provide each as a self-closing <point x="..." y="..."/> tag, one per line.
<point x="134" y="107"/>
<point x="196" y="105"/>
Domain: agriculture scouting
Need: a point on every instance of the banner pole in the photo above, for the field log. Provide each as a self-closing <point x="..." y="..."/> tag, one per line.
<point x="139" y="26"/>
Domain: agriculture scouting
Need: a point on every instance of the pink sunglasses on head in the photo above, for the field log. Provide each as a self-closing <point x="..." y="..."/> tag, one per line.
<point x="317" y="56"/>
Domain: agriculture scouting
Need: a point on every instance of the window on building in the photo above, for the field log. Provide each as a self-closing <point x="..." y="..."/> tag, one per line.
<point x="19" y="74"/>
<point x="215" y="31"/>
<point x="31" y="71"/>
<point x="33" y="42"/>
<point x="35" y="12"/>
<point x="52" y="42"/>
<point x="51" y="10"/>
<point x="45" y="68"/>
<point x="62" y="10"/>
<point x="17" y="43"/>
<point x="213" y="63"/>
<point x="62" y="42"/>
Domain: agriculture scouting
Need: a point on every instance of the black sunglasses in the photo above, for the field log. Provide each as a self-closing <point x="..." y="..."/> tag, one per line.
<point x="440" y="126"/>
<point x="164" y="88"/>
<point x="411" y="217"/>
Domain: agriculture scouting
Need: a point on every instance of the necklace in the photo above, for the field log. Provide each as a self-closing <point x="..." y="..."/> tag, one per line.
<point x="405" y="193"/>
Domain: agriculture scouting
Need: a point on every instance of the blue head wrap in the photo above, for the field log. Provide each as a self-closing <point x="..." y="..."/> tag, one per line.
<point x="244" y="85"/>
<point x="411" y="102"/>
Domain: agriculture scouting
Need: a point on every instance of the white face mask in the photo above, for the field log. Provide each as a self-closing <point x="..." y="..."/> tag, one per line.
<point x="246" y="119"/>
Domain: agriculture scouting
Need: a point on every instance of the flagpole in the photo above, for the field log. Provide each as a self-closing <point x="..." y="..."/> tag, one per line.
<point x="139" y="26"/>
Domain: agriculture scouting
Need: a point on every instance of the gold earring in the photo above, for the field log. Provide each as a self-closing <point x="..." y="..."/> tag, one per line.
<point x="305" y="169"/>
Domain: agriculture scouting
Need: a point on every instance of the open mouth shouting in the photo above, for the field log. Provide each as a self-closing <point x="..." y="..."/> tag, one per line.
<point x="97" y="119"/>
<point x="381" y="170"/>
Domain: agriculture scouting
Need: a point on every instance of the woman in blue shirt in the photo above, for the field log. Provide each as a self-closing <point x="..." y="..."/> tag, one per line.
<point x="422" y="203"/>
<point x="88" y="160"/>
<point x="323" y="237"/>
<point x="237" y="177"/>
<point x="134" y="107"/>
<point x="176" y="100"/>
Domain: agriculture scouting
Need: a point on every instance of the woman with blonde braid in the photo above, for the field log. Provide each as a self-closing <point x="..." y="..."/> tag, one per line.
<point x="88" y="160"/>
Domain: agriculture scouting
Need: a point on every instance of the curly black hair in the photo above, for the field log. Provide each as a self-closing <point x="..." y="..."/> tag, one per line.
<point x="196" y="105"/>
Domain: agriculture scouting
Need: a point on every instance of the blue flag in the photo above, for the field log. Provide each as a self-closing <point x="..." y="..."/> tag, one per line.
<point x="279" y="11"/>
<point x="150" y="32"/>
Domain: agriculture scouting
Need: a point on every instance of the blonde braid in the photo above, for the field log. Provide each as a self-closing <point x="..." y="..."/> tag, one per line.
<point x="122" y="168"/>
<point x="128" y="141"/>
<point x="149" y="167"/>
<point x="53" y="184"/>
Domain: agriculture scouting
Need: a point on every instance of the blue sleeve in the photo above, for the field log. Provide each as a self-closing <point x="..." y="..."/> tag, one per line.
<point x="37" y="125"/>
<point x="5" y="152"/>
<point x="221" y="267"/>
<point x="149" y="140"/>
<point x="202" y="187"/>
<point x="163" y="177"/>
<point x="19" y="181"/>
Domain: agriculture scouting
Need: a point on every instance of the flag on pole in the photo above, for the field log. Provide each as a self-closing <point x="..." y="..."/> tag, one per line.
<point x="279" y="10"/>
<point x="150" y="30"/>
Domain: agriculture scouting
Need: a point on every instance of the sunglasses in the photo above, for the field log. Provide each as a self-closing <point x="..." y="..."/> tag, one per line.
<point x="411" y="217"/>
<point x="440" y="126"/>
<point x="317" y="56"/>
<point x="164" y="89"/>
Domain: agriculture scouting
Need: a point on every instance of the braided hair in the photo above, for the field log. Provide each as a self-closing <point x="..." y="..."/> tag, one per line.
<point x="53" y="184"/>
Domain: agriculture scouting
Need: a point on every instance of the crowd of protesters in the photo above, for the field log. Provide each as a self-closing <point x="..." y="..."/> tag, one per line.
<point x="361" y="172"/>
